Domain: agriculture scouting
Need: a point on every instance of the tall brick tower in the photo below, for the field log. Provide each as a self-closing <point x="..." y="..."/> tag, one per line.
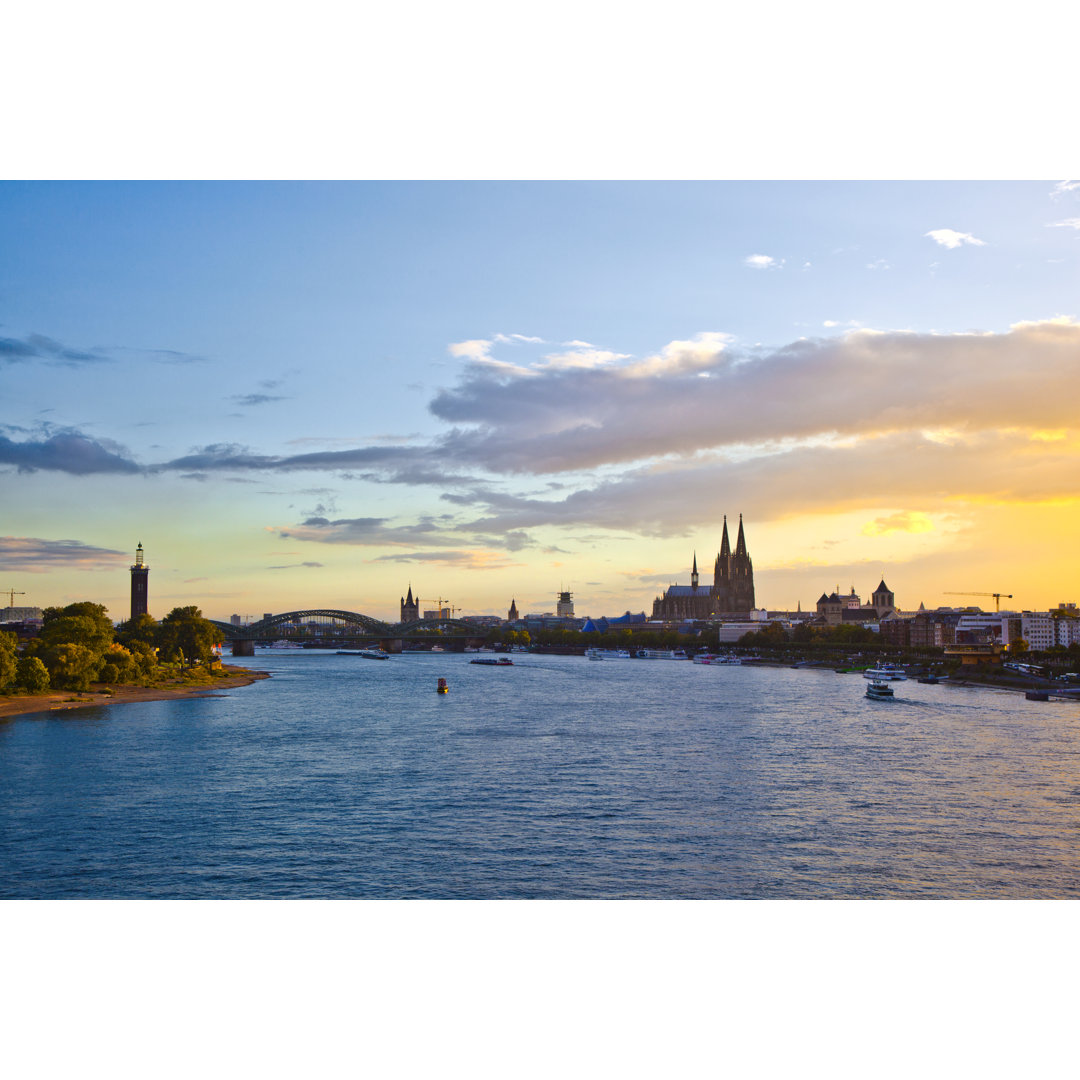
<point x="140" y="572"/>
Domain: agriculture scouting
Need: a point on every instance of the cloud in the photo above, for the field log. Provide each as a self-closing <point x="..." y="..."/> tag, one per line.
<point x="255" y="399"/>
<point x="868" y="382"/>
<point x="950" y="238"/>
<point x="469" y="560"/>
<point x="31" y="555"/>
<point x="1068" y="223"/>
<point x="524" y="338"/>
<point x="988" y="467"/>
<point x="477" y="349"/>
<point x="371" y="532"/>
<point x="908" y="521"/>
<point x="878" y="264"/>
<point x="583" y="358"/>
<point x="1063" y="187"/>
<point x="293" y="566"/>
<point x="763" y="262"/>
<point x="70" y="452"/>
<point x="39" y="347"/>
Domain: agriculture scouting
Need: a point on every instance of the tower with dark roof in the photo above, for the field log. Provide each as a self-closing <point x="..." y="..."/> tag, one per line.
<point x="410" y="608"/>
<point x="140" y="586"/>
<point x="883" y="601"/>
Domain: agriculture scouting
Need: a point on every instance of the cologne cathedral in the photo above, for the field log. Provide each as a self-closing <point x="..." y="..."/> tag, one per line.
<point x="732" y="591"/>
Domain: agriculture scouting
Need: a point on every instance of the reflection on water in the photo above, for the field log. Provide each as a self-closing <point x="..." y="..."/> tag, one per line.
<point x="554" y="778"/>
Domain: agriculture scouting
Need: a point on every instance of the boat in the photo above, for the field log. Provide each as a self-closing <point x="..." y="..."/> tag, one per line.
<point x="369" y="654"/>
<point x="491" y="661"/>
<point x="595" y="654"/>
<point x="879" y="691"/>
<point x="885" y="672"/>
<point x="933" y="680"/>
<point x="441" y="687"/>
<point x="283" y="644"/>
<point x="661" y="654"/>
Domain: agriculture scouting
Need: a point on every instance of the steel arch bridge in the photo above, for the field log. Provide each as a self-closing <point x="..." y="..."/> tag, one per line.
<point x="291" y="623"/>
<point x="313" y="623"/>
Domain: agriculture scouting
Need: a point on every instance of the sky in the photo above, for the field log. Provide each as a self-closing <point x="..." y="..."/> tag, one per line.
<point x="318" y="394"/>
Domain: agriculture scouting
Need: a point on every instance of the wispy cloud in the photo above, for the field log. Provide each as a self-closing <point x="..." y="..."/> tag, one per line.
<point x="468" y="560"/>
<point x="255" y="399"/>
<point x="1063" y="187"/>
<point x="32" y="555"/>
<point x="67" y="451"/>
<point x="1068" y="223"/>
<point x="39" y="347"/>
<point x="950" y="238"/>
<point x="294" y="566"/>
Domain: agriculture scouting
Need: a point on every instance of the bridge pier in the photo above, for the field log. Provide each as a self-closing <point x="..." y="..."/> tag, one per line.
<point x="390" y="645"/>
<point x="243" y="648"/>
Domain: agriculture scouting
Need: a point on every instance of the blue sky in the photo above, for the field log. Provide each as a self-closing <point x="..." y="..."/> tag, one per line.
<point x="320" y="393"/>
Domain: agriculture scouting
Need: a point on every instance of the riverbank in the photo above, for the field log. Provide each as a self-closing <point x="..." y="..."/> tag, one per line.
<point x="58" y="700"/>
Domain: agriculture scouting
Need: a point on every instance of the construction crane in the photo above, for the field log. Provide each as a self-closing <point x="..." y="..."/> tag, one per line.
<point x="12" y="593"/>
<point x="452" y="610"/>
<point x="996" y="595"/>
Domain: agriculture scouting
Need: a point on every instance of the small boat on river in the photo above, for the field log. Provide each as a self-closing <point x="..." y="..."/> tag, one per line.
<point x="368" y="654"/>
<point x="879" y="691"/>
<point x="885" y="672"/>
<point x="491" y="661"/>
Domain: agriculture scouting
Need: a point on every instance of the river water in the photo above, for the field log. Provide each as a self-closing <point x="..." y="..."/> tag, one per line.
<point x="555" y="778"/>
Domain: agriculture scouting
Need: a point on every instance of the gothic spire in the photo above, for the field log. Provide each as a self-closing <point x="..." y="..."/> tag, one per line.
<point x="725" y="544"/>
<point x="740" y="544"/>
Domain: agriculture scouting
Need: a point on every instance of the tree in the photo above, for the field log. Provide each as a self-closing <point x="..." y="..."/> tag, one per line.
<point x="141" y="628"/>
<point x="78" y="624"/>
<point x="186" y="632"/>
<point x="32" y="675"/>
<point x="8" y="659"/>
<point x="72" y="666"/>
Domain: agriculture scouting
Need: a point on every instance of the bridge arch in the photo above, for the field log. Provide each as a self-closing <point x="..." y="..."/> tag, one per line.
<point x="287" y="623"/>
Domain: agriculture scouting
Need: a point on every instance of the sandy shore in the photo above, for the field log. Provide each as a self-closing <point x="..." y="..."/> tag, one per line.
<point x="56" y="700"/>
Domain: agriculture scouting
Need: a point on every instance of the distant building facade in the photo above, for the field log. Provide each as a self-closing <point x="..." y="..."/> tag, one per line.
<point x="839" y="610"/>
<point x="19" y="614"/>
<point x="731" y="592"/>
<point x="564" y="606"/>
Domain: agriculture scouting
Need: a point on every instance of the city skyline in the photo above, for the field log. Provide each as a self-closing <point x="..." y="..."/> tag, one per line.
<point x="319" y="394"/>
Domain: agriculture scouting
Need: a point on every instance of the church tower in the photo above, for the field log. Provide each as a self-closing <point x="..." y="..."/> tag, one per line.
<point x="410" y="608"/>
<point x="140" y="596"/>
<point x="694" y="575"/>
<point x="883" y="601"/>
<point x="512" y="615"/>
<point x="723" y="566"/>
<point x="742" y="575"/>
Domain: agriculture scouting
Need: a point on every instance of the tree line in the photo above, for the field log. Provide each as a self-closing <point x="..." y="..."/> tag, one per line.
<point x="78" y="645"/>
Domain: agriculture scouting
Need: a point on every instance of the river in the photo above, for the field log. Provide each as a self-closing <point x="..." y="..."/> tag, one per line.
<point x="555" y="778"/>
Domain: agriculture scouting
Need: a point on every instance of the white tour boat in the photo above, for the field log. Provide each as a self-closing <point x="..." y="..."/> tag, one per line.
<point x="885" y="672"/>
